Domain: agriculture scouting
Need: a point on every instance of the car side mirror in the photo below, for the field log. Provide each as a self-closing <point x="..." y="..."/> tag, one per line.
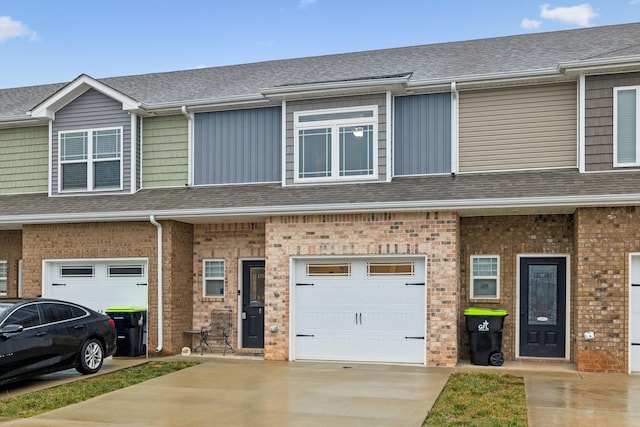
<point x="10" y="329"/>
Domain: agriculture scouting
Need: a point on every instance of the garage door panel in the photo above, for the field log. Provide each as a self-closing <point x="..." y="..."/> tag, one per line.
<point x="360" y="317"/>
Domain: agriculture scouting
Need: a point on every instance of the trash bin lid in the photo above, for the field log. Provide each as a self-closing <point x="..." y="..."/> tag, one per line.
<point x="125" y="309"/>
<point x="477" y="311"/>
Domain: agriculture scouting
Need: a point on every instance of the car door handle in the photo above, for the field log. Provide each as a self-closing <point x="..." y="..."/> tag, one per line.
<point x="41" y="334"/>
<point x="78" y="327"/>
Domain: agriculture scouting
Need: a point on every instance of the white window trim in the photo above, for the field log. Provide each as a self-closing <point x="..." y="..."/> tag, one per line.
<point x="6" y="277"/>
<point x="335" y="141"/>
<point x="615" y="126"/>
<point x="472" y="277"/>
<point x="90" y="160"/>
<point x="205" y="278"/>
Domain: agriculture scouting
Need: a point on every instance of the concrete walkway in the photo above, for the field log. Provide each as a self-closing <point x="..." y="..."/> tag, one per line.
<point x="242" y="391"/>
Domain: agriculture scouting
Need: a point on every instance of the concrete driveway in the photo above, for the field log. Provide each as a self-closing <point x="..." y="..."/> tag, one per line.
<point x="240" y="392"/>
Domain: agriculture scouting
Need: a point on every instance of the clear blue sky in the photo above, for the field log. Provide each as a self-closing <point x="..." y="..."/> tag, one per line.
<point x="48" y="41"/>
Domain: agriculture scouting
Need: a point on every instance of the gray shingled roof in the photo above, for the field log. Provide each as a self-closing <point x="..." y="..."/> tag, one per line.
<point x="443" y="61"/>
<point x="467" y="191"/>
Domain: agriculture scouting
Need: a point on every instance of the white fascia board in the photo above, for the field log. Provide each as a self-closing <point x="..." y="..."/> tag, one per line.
<point x="334" y="86"/>
<point x="206" y="104"/>
<point x="81" y="84"/>
<point x="438" y="205"/>
<point x="584" y="65"/>
<point x="486" y="78"/>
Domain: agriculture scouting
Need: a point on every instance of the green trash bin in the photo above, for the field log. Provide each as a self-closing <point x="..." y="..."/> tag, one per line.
<point x="485" y="335"/>
<point x="130" y="323"/>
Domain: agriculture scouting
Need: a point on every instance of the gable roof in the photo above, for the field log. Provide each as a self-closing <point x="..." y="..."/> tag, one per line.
<point x="539" y="54"/>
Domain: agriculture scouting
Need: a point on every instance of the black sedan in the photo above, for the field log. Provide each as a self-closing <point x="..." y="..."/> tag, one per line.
<point x="40" y="336"/>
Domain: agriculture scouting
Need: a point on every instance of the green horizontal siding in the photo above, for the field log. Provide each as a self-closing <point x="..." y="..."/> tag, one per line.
<point x="25" y="157"/>
<point x="164" y="152"/>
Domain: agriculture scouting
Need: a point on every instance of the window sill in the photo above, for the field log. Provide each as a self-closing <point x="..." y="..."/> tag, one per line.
<point x="486" y="300"/>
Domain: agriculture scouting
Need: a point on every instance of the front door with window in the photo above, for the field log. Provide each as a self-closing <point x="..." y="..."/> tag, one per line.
<point x="253" y="304"/>
<point x="543" y="307"/>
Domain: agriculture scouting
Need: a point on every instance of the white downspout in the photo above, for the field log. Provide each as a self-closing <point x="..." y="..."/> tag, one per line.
<point x="189" y="117"/>
<point x="153" y="221"/>
<point x="454" y="128"/>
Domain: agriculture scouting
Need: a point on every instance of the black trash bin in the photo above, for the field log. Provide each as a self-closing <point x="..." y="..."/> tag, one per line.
<point x="485" y="335"/>
<point x="130" y="323"/>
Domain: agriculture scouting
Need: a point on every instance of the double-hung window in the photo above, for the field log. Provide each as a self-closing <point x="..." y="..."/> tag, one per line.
<point x="626" y="132"/>
<point x="336" y="144"/>
<point x="91" y="160"/>
<point x="485" y="276"/>
<point x="213" y="278"/>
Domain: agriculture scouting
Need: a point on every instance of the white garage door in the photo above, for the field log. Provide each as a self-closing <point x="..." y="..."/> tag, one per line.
<point x="97" y="284"/>
<point x="370" y="310"/>
<point x="634" y="315"/>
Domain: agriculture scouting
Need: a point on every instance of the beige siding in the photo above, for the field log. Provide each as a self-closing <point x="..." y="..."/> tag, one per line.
<point x="518" y="128"/>
<point x="25" y="158"/>
<point x="164" y="152"/>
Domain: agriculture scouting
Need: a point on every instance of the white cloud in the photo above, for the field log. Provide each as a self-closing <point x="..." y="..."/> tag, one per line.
<point x="634" y="2"/>
<point x="531" y="24"/>
<point x="580" y="14"/>
<point x="304" y="3"/>
<point x="10" y="29"/>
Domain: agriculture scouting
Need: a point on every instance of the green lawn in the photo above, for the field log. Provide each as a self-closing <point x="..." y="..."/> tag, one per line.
<point x="480" y="400"/>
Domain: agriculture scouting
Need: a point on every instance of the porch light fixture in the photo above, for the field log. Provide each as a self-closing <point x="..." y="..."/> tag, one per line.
<point x="358" y="132"/>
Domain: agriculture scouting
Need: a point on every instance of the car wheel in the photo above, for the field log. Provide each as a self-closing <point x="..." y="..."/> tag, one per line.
<point x="91" y="357"/>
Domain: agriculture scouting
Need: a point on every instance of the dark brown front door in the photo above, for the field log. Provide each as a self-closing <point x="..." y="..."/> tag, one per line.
<point x="543" y="307"/>
<point x="253" y="304"/>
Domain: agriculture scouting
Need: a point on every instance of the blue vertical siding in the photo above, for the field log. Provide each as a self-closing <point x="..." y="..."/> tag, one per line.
<point x="422" y="134"/>
<point x="240" y="146"/>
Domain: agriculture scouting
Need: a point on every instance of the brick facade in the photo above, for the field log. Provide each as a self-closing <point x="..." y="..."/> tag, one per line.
<point x="231" y="242"/>
<point x="11" y="252"/>
<point x="604" y="239"/>
<point x="121" y="240"/>
<point x="508" y="236"/>
<point x="434" y="235"/>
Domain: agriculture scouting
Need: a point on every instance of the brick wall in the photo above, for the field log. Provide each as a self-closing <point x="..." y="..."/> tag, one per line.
<point x="434" y="235"/>
<point x="117" y="240"/>
<point x="507" y="236"/>
<point x="604" y="238"/>
<point x="231" y="242"/>
<point x="11" y="252"/>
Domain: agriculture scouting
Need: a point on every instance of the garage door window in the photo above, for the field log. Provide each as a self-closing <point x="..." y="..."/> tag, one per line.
<point x="3" y="277"/>
<point x="77" y="271"/>
<point x="485" y="281"/>
<point x="126" y="271"/>
<point x="390" y="268"/>
<point x="213" y="278"/>
<point x="329" y="269"/>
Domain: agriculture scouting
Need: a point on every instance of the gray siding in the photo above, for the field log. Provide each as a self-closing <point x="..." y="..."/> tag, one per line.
<point x="599" y="118"/>
<point x="92" y="110"/>
<point x="240" y="146"/>
<point x="530" y="127"/>
<point x="352" y="101"/>
<point x="422" y="127"/>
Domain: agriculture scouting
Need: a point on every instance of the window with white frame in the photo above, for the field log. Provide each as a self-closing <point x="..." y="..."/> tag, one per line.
<point x="485" y="276"/>
<point x="213" y="277"/>
<point x="336" y="144"/>
<point x="3" y="277"/>
<point x="90" y="160"/>
<point x="626" y="132"/>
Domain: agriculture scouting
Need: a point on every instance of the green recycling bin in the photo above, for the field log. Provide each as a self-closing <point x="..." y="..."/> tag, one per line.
<point x="130" y="323"/>
<point x="485" y="335"/>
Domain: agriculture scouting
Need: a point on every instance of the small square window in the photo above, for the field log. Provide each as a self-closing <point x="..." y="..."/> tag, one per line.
<point x="213" y="276"/>
<point x="485" y="276"/>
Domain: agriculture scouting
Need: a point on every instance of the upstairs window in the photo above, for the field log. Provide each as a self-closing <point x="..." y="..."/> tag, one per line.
<point x="3" y="278"/>
<point x="626" y="132"/>
<point x="337" y="144"/>
<point x="91" y="160"/>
